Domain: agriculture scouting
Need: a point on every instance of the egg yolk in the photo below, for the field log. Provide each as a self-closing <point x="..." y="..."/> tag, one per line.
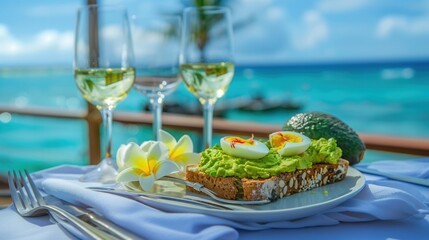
<point x="279" y="140"/>
<point x="239" y="140"/>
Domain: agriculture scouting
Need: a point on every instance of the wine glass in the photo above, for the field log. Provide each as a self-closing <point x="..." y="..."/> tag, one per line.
<point x="103" y="69"/>
<point x="206" y="59"/>
<point x="157" y="48"/>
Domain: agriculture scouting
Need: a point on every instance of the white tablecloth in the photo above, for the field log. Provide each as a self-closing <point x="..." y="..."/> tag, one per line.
<point x="385" y="209"/>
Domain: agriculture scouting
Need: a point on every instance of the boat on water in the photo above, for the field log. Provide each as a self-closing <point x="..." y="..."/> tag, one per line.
<point x="260" y="104"/>
<point x="255" y="103"/>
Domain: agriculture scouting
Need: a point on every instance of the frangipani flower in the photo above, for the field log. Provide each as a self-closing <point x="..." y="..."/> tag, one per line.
<point x="144" y="164"/>
<point x="182" y="151"/>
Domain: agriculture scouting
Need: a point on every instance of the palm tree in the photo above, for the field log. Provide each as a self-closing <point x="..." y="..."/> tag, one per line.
<point x="200" y="32"/>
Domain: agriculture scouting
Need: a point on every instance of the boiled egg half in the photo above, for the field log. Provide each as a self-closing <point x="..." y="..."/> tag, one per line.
<point x="289" y="143"/>
<point x="244" y="148"/>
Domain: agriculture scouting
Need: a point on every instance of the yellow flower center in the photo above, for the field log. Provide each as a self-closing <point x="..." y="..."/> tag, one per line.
<point x="146" y="167"/>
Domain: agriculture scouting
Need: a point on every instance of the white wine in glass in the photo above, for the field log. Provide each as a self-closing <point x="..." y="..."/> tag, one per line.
<point x="103" y="70"/>
<point x="208" y="81"/>
<point x="206" y="59"/>
<point x="104" y="87"/>
<point x="157" y="48"/>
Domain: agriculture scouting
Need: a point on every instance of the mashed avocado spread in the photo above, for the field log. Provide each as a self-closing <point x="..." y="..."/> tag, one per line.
<point x="215" y="162"/>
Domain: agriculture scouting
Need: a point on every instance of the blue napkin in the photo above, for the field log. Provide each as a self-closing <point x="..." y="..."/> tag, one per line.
<point x="381" y="199"/>
<point x="418" y="168"/>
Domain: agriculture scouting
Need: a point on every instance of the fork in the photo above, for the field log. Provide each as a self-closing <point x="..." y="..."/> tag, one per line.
<point x="201" y="188"/>
<point x="197" y="186"/>
<point x="132" y="194"/>
<point x="29" y="203"/>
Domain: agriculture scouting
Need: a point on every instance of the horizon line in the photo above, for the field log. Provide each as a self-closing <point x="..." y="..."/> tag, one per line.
<point x="266" y="64"/>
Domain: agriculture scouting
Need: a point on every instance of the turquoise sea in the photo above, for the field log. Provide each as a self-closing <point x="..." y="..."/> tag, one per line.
<point x="378" y="98"/>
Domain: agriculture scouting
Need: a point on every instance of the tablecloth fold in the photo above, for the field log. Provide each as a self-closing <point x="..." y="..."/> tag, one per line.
<point x="379" y="200"/>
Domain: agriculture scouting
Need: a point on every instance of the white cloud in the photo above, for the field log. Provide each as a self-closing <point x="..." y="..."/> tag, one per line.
<point x="257" y="3"/>
<point x="341" y="5"/>
<point x="263" y="34"/>
<point x="43" y="45"/>
<point x="51" y="39"/>
<point x="311" y="31"/>
<point x="275" y="13"/>
<point x="151" y="44"/>
<point x="10" y="45"/>
<point x="146" y="42"/>
<point x="249" y="10"/>
<point x="390" y="24"/>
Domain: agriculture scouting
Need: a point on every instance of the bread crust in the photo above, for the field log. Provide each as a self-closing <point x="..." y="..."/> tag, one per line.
<point x="271" y="188"/>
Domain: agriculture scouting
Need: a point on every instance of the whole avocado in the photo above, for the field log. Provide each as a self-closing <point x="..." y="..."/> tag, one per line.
<point x="317" y="125"/>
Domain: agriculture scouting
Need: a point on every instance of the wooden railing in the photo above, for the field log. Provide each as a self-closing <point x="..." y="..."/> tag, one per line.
<point x="192" y="123"/>
<point x="4" y="199"/>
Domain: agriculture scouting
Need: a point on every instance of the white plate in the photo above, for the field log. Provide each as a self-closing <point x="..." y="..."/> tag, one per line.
<point x="292" y="207"/>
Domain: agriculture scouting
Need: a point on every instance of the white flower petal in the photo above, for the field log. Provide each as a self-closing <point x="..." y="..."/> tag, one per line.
<point x="165" y="168"/>
<point x="145" y="146"/>
<point x="146" y="182"/>
<point x="164" y="147"/>
<point x="187" y="158"/>
<point x="184" y="145"/>
<point x="157" y="151"/>
<point x="119" y="157"/>
<point x="133" y="155"/>
<point x="127" y="175"/>
<point x="167" y="139"/>
<point x="154" y="159"/>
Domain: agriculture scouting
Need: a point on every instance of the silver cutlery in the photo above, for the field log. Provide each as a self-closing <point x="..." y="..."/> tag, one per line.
<point x="418" y="181"/>
<point x="201" y="188"/>
<point x="134" y="195"/>
<point x="197" y="186"/>
<point x="94" y="219"/>
<point x="29" y="203"/>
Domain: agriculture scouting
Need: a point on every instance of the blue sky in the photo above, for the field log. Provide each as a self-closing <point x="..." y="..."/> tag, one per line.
<point x="276" y="31"/>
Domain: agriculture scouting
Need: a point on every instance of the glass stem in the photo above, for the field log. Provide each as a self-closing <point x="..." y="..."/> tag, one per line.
<point x="208" y="124"/>
<point x="156" y="103"/>
<point x="107" y="122"/>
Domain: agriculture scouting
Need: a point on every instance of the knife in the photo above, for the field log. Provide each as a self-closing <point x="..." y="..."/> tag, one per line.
<point x="136" y="195"/>
<point x="71" y="230"/>
<point x="418" y="181"/>
<point x="113" y="230"/>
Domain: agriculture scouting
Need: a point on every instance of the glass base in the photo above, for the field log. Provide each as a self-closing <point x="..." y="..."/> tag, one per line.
<point x="104" y="173"/>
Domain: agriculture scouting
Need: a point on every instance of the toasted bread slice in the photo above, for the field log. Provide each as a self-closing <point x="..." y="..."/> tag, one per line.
<point x="271" y="188"/>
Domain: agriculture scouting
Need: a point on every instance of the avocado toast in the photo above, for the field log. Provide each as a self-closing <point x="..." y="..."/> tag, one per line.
<point x="277" y="174"/>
